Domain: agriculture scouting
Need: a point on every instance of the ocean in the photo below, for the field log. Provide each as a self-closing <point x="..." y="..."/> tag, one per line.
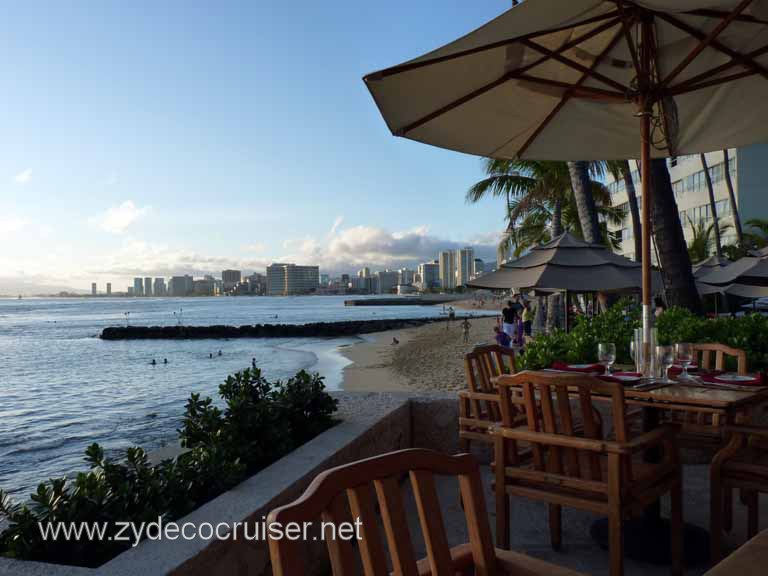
<point x="62" y="388"/>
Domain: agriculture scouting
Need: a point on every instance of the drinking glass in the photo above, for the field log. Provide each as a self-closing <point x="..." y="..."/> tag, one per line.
<point x="685" y="357"/>
<point x="633" y="351"/>
<point x="606" y="354"/>
<point x="665" y="356"/>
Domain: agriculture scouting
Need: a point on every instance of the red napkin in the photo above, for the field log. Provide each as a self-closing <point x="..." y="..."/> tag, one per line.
<point x="612" y="379"/>
<point x="712" y="377"/>
<point x="585" y="370"/>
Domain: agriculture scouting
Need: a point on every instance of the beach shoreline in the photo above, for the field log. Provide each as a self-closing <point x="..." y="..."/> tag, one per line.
<point x="426" y="358"/>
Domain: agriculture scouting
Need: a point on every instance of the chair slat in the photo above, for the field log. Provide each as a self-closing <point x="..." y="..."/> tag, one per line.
<point x="566" y="421"/>
<point x="339" y="550"/>
<point x="362" y="505"/>
<point x="479" y="530"/>
<point x="555" y="460"/>
<point x="591" y="430"/>
<point x="431" y="519"/>
<point x="396" y="527"/>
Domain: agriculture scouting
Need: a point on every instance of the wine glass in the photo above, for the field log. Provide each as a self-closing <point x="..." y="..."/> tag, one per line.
<point x="606" y="354"/>
<point x="684" y="357"/>
<point x="665" y="355"/>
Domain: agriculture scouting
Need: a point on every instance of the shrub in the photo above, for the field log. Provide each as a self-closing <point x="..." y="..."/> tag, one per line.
<point x="261" y="422"/>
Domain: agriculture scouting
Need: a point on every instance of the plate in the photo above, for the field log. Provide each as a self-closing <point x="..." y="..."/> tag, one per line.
<point x="734" y="378"/>
<point x="581" y="366"/>
<point x="625" y="378"/>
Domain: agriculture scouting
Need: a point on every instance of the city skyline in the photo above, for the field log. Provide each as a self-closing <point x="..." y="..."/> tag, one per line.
<point x="181" y="156"/>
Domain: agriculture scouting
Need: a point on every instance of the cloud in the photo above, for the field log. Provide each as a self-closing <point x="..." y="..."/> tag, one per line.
<point x="256" y="247"/>
<point x="111" y="180"/>
<point x="118" y="219"/>
<point x="343" y="250"/>
<point x="9" y="225"/>
<point x="336" y="224"/>
<point x="23" y="177"/>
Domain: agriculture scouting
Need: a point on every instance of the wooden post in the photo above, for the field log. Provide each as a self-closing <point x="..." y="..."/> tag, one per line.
<point x="645" y="106"/>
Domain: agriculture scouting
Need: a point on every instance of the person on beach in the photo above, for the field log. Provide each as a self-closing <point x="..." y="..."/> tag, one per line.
<point x="451" y="317"/>
<point x="395" y="341"/>
<point x="501" y="337"/>
<point x="465" y="326"/>
<point x="509" y="319"/>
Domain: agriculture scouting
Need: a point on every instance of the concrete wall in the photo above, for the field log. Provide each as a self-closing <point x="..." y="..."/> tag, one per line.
<point x="372" y="423"/>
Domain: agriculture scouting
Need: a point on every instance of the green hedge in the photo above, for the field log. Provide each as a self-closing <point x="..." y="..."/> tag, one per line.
<point x="260" y="422"/>
<point x="748" y="332"/>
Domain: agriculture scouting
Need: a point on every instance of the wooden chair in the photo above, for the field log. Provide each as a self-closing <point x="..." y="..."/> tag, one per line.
<point x="581" y="470"/>
<point x="373" y="483"/>
<point x="742" y="464"/>
<point x="479" y="407"/>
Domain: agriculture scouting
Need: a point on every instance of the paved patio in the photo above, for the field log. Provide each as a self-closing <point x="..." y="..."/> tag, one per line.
<point x="530" y="532"/>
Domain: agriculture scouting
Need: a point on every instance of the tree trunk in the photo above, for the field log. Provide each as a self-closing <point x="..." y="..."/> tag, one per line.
<point x="680" y="286"/>
<point x="585" y="203"/>
<point x="732" y="198"/>
<point x="634" y="213"/>
<point x="712" y="207"/>
<point x="557" y="218"/>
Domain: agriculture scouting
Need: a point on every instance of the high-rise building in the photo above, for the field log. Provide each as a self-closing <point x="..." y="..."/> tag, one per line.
<point x="325" y="279"/>
<point x="257" y="284"/>
<point x="138" y="287"/>
<point x="447" y="263"/>
<point x="93" y="288"/>
<point x="465" y="265"/>
<point x="748" y="168"/>
<point x="230" y="279"/>
<point x="158" y="287"/>
<point x="386" y="281"/>
<point x="109" y="288"/>
<point x="204" y="287"/>
<point x="478" y="268"/>
<point x="129" y="290"/>
<point x="290" y="279"/>
<point x="429" y="275"/>
<point x="180" y="285"/>
<point x="147" y="286"/>
<point x="405" y="277"/>
<point x="364" y="272"/>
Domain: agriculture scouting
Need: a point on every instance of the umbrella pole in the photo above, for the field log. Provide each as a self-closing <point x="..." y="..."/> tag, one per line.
<point x="645" y="110"/>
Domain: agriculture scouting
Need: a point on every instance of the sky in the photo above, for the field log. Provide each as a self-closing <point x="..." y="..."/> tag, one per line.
<point x="149" y="138"/>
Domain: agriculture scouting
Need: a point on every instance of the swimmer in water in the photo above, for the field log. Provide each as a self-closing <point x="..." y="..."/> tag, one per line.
<point x="253" y="362"/>
<point x="219" y="352"/>
<point x="210" y="355"/>
<point x="154" y="362"/>
<point x="165" y="360"/>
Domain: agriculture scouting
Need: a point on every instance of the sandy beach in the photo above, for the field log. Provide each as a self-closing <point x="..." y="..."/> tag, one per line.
<point x="426" y="358"/>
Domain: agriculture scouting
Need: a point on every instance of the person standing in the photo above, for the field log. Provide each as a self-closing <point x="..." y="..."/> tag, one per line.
<point x="527" y="318"/>
<point x="465" y="326"/>
<point x="509" y="317"/>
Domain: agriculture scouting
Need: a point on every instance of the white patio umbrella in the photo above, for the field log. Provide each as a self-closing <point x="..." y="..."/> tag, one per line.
<point x="591" y="80"/>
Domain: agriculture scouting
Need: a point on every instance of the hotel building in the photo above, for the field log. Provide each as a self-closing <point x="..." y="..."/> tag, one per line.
<point x="290" y="279"/>
<point x="428" y="275"/>
<point x="749" y="173"/>
<point x="138" y="287"/>
<point x="465" y="265"/>
<point x="447" y="266"/>
<point x="148" y="286"/>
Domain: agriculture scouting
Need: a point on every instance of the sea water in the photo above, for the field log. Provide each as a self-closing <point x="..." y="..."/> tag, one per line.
<point x="62" y="388"/>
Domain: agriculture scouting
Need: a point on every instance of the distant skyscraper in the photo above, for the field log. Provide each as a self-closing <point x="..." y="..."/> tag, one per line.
<point x="138" y="287"/>
<point x="158" y="287"/>
<point x="386" y="281"/>
<point x="93" y="288"/>
<point x="290" y="279"/>
<point x="478" y="268"/>
<point x="180" y="285"/>
<point x="429" y="275"/>
<point x="230" y="279"/>
<point x="364" y="272"/>
<point x="325" y="279"/>
<point x="405" y="276"/>
<point x="447" y="263"/>
<point x="465" y="265"/>
<point x="147" y="286"/>
<point x="109" y="288"/>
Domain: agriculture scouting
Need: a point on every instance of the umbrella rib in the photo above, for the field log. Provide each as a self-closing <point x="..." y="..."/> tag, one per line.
<point x="566" y="97"/>
<point x="749" y="62"/>
<point x="517" y="74"/>
<point x="717" y="81"/>
<point x="589" y="71"/>
<point x="625" y="23"/>
<point x="692" y="82"/>
<point x="709" y="13"/>
<point x="706" y="41"/>
<point x="408" y="66"/>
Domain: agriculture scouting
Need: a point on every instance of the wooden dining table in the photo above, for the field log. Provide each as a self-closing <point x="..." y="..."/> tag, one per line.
<point x="646" y="539"/>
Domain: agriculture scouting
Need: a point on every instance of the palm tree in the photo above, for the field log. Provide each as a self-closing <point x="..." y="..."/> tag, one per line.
<point x="698" y="247"/>
<point x="680" y="286"/>
<point x="620" y="169"/>
<point x="732" y="199"/>
<point x="585" y="202"/>
<point x="712" y="206"/>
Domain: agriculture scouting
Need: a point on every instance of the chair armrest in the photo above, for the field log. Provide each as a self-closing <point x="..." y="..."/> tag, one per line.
<point x="748" y="430"/>
<point x="652" y="438"/>
<point x="525" y="435"/>
<point x="487" y="396"/>
<point x="509" y="562"/>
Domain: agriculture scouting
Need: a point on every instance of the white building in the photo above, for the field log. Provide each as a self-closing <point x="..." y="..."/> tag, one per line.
<point x="447" y="263"/>
<point x="290" y="279"/>
<point x="406" y="276"/>
<point x="465" y="265"/>
<point x="386" y="281"/>
<point x="364" y="272"/>
<point x="478" y="268"/>
<point x="749" y="173"/>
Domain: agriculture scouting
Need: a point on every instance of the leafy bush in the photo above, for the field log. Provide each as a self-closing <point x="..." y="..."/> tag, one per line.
<point x="261" y="422"/>
<point x="748" y="332"/>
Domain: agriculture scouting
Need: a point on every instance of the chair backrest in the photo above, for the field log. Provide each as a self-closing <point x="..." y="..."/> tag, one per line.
<point x="484" y="363"/>
<point x="721" y="353"/>
<point x="561" y="403"/>
<point x="358" y="487"/>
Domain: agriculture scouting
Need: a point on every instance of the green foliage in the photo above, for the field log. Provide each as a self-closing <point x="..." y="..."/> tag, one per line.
<point x="748" y="332"/>
<point x="261" y="422"/>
